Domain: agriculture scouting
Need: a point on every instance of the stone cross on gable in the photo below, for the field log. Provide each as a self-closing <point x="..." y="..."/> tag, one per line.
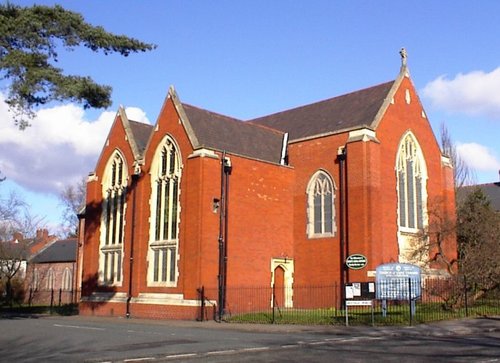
<point x="404" y="57"/>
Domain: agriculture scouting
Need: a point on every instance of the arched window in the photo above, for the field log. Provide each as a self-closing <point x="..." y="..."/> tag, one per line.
<point x="164" y="233"/>
<point x="51" y="279"/>
<point x="66" y="280"/>
<point x="320" y="206"/>
<point x="36" y="279"/>
<point x="411" y="179"/>
<point x="112" y="221"/>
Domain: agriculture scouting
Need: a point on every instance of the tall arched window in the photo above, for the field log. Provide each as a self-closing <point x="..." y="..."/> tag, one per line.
<point x="165" y="207"/>
<point x="113" y="220"/>
<point x="321" y="208"/>
<point x="36" y="279"/>
<point x="66" y="280"/>
<point x="51" y="279"/>
<point x="411" y="178"/>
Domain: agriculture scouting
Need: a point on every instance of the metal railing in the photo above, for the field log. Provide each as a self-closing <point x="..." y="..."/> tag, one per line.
<point x="52" y="297"/>
<point x="438" y="299"/>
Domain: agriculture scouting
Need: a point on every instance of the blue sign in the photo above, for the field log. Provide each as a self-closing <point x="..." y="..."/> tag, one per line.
<point x="398" y="281"/>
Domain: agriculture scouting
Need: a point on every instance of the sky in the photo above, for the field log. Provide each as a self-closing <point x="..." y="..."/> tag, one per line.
<point x="246" y="59"/>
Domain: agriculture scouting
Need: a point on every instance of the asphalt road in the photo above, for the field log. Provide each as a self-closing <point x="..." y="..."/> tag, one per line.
<point x="83" y="339"/>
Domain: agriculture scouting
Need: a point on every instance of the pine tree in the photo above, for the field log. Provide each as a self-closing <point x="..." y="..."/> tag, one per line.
<point x="29" y="38"/>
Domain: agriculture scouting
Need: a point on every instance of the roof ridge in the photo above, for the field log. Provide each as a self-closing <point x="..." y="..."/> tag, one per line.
<point x="236" y="120"/>
<point x="321" y="101"/>
<point x="343" y="112"/>
<point x="45" y="247"/>
<point x="140" y="123"/>
<point x="497" y="183"/>
<point x="212" y="112"/>
<point x="268" y="128"/>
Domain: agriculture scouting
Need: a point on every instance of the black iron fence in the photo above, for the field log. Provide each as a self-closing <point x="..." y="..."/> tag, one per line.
<point x="435" y="299"/>
<point x="51" y="297"/>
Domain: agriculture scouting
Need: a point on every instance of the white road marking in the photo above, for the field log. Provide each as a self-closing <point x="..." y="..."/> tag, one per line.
<point x="176" y="356"/>
<point x="216" y="352"/>
<point x="78" y="327"/>
<point x="332" y="339"/>
<point x="298" y="344"/>
<point x="256" y="349"/>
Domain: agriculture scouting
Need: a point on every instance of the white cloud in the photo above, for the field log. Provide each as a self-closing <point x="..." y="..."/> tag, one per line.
<point x="476" y="93"/>
<point x="136" y="114"/>
<point x="58" y="149"/>
<point x="478" y="157"/>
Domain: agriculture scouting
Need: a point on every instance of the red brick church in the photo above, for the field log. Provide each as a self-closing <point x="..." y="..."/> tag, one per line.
<point x="204" y="200"/>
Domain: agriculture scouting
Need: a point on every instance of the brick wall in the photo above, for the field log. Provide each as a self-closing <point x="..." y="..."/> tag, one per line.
<point x="267" y="210"/>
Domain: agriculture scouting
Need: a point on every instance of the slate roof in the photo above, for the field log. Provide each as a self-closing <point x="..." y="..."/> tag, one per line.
<point x="490" y="190"/>
<point x="11" y="250"/>
<point x="262" y="138"/>
<point x="59" y="251"/>
<point x="353" y="110"/>
<point x="141" y="132"/>
<point x="215" y="131"/>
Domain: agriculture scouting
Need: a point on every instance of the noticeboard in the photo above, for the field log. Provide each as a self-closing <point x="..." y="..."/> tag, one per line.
<point x="359" y="290"/>
<point x="398" y="281"/>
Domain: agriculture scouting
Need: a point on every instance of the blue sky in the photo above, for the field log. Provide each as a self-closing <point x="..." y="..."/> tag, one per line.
<point x="251" y="58"/>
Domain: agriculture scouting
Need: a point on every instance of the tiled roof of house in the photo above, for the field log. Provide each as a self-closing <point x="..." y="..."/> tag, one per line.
<point x="329" y="116"/>
<point x="215" y="131"/>
<point x="59" y="251"/>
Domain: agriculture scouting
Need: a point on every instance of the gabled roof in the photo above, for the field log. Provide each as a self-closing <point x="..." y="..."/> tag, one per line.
<point x="59" y="251"/>
<point x="342" y="113"/>
<point x="137" y="134"/>
<point x="222" y="133"/>
<point x="262" y="138"/>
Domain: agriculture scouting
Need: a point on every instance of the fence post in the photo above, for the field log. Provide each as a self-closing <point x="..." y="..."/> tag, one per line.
<point x="201" y="290"/>
<point x="338" y="303"/>
<point x="60" y="296"/>
<point x="51" y="299"/>
<point x="410" y="301"/>
<point x="466" y="298"/>
<point x="274" y="302"/>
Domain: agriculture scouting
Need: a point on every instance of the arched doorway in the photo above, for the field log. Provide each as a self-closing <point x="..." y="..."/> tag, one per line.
<point x="282" y="281"/>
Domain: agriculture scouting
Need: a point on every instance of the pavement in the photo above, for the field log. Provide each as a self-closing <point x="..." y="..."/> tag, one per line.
<point x="457" y="327"/>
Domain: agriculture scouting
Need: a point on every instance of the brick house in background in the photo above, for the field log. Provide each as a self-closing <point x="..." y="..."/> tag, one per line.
<point x="42" y="239"/>
<point x="205" y="200"/>
<point x="18" y="250"/>
<point x="52" y="273"/>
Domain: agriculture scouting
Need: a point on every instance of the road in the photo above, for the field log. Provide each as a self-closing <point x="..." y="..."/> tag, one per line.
<point x="83" y="339"/>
